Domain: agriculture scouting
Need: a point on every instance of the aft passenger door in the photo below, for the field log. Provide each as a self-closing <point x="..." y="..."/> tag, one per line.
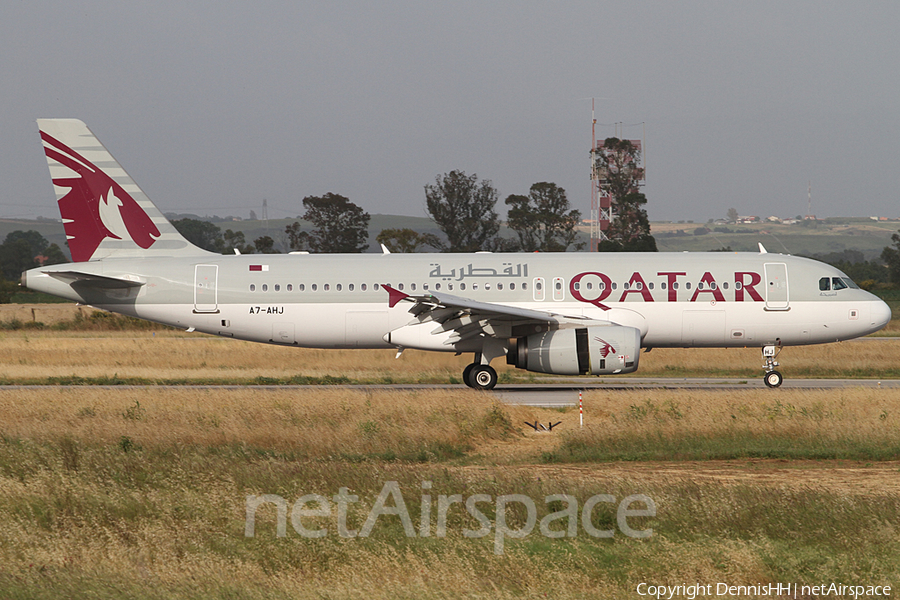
<point x="205" y="289"/>
<point x="776" y="286"/>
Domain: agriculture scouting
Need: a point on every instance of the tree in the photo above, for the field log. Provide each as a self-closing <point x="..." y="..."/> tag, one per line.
<point x="338" y="226"/>
<point x="16" y="256"/>
<point x="23" y="250"/>
<point x="234" y="240"/>
<point x="406" y="240"/>
<point x="54" y="255"/>
<point x="265" y="245"/>
<point x="732" y="215"/>
<point x="542" y="219"/>
<point x="617" y="168"/>
<point x="891" y="257"/>
<point x="202" y="234"/>
<point x="463" y="209"/>
<point x="297" y="238"/>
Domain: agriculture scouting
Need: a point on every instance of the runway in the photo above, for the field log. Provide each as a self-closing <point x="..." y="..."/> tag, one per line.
<point x="555" y="393"/>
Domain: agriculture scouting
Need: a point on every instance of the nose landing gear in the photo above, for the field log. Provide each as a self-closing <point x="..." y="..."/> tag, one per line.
<point x="772" y="378"/>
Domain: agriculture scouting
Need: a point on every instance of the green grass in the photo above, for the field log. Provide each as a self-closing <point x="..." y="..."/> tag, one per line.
<point x="168" y="522"/>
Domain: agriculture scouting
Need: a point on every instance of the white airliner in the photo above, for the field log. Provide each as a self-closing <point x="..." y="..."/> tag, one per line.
<point x="560" y="313"/>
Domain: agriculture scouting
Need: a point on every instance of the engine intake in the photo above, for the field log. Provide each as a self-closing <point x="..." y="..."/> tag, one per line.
<point x="583" y="351"/>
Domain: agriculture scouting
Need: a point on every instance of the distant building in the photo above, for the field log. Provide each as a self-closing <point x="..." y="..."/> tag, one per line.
<point x="773" y="219"/>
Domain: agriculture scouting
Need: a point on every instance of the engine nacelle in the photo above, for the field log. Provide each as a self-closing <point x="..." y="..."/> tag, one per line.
<point x="583" y="351"/>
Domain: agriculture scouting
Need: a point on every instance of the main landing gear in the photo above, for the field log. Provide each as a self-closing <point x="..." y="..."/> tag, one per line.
<point x="480" y="377"/>
<point x="772" y="377"/>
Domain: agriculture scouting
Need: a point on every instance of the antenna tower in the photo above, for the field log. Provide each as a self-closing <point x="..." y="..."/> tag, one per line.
<point x="603" y="210"/>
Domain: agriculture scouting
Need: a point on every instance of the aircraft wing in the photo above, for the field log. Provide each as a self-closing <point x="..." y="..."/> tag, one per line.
<point x="470" y="318"/>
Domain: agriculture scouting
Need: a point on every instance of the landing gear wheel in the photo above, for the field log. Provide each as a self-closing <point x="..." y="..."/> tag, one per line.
<point x="466" y="372"/>
<point x="482" y="377"/>
<point x="773" y="379"/>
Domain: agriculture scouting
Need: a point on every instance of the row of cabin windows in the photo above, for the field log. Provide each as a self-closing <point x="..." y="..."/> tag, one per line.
<point x="338" y="287"/>
<point x="326" y="287"/>
<point x="640" y="286"/>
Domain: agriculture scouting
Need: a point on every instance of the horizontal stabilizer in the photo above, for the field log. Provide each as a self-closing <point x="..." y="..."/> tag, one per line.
<point x="90" y="279"/>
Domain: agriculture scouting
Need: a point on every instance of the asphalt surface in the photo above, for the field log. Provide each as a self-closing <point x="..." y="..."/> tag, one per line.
<point x="554" y="393"/>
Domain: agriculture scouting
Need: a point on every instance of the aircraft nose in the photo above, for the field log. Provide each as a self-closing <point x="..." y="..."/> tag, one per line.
<point x="881" y="314"/>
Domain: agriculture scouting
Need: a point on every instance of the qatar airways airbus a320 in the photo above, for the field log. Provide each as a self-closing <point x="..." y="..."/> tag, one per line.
<point x="560" y="313"/>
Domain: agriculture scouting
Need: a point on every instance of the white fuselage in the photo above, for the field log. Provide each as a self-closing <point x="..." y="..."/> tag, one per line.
<point x="336" y="301"/>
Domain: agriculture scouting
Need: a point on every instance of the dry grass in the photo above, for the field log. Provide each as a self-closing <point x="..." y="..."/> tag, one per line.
<point x="860" y="424"/>
<point x="125" y="492"/>
<point x="84" y="514"/>
<point x="310" y="423"/>
<point x="171" y="356"/>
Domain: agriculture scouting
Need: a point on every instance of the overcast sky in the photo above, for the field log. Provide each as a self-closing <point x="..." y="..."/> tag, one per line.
<point x="213" y="106"/>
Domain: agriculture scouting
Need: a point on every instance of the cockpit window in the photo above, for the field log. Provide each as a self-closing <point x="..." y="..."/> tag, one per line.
<point x="825" y="284"/>
<point x="838" y="283"/>
<point x="850" y="283"/>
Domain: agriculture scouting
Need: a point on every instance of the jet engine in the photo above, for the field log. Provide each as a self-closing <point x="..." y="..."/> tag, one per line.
<point x="604" y="350"/>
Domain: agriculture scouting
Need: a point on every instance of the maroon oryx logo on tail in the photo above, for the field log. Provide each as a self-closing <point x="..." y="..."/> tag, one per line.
<point x="96" y="207"/>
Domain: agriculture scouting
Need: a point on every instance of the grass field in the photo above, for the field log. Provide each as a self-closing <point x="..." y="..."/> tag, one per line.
<point x="142" y="492"/>
<point x="169" y="356"/>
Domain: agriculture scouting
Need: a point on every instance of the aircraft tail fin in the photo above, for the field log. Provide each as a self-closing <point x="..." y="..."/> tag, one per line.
<point x="105" y="214"/>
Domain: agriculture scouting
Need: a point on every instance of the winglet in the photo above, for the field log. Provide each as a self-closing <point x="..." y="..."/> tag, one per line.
<point x="762" y="249"/>
<point x="395" y="295"/>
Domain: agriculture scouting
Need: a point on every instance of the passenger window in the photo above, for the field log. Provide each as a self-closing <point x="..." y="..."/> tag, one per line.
<point x="302" y="287"/>
<point x="499" y="286"/>
<point x="350" y="286"/>
<point x="462" y="286"/>
<point x="837" y="283"/>
<point x="338" y="287"/>
<point x="363" y="286"/>
<point x="314" y="287"/>
<point x="290" y="287"/>
<point x="512" y="286"/>
<point x="252" y="287"/>
<point x="412" y="286"/>
<point x="277" y="287"/>
<point x="265" y="287"/>
<point x="326" y="287"/>
<point x="824" y="284"/>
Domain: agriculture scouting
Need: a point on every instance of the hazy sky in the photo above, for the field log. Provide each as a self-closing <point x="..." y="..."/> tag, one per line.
<point x="213" y="106"/>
